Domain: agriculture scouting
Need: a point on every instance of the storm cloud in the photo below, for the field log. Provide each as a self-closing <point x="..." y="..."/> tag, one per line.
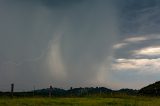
<point x="78" y="43"/>
<point x="56" y="42"/>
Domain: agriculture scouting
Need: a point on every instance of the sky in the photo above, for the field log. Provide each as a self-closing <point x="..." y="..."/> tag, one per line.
<point x="79" y="43"/>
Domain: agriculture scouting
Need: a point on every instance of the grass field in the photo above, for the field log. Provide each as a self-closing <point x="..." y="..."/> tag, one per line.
<point x="131" y="101"/>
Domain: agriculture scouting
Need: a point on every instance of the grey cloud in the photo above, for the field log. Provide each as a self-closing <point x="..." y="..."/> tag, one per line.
<point x="58" y="44"/>
<point x="138" y="18"/>
<point x="127" y="51"/>
<point x="69" y="43"/>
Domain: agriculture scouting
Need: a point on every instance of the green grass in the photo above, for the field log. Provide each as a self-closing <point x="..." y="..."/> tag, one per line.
<point x="130" y="101"/>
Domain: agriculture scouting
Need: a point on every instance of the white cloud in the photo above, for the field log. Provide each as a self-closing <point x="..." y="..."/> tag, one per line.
<point x="136" y="39"/>
<point x="141" y="65"/>
<point x="130" y="40"/>
<point x="119" y="45"/>
<point x="148" y="51"/>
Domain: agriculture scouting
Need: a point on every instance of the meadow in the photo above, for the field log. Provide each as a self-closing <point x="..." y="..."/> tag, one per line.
<point x="110" y="101"/>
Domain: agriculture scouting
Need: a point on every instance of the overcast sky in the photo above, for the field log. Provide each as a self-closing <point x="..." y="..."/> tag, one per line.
<point x="79" y="43"/>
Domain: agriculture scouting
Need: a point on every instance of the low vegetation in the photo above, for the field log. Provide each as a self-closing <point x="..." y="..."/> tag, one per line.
<point x="119" y="101"/>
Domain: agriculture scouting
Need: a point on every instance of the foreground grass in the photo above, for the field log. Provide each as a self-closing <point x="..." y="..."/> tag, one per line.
<point x="129" y="101"/>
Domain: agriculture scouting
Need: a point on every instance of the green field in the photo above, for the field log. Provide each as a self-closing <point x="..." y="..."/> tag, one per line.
<point x="39" y="101"/>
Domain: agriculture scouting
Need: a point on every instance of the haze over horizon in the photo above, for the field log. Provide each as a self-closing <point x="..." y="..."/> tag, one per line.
<point x="79" y="43"/>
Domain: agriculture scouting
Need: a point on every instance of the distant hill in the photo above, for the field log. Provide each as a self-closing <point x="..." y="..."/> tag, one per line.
<point x="54" y="91"/>
<point x="87" y="91"/>
<point x="151" y="90"/>
<point x="73" y="92"/>
<point x="128" y="91"/>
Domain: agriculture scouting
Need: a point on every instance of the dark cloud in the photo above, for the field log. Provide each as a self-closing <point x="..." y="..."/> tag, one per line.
<point x="55" y="42"/>
<point x="70" y="43"/>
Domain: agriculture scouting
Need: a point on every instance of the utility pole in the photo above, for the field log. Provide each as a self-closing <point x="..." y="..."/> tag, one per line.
<point x="71" y="91"/>
<point x="100" y="92"/>
<point x="50" y="91"/>
<point x="33" y="90"/>
<point x="12" y="89"/>
<point x="156" y="91"/>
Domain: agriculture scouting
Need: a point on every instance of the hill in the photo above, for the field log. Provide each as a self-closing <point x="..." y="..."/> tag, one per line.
<point x="151" y="90"/>
<point x="73" y="92"/>
<point x="127" y="91"/>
